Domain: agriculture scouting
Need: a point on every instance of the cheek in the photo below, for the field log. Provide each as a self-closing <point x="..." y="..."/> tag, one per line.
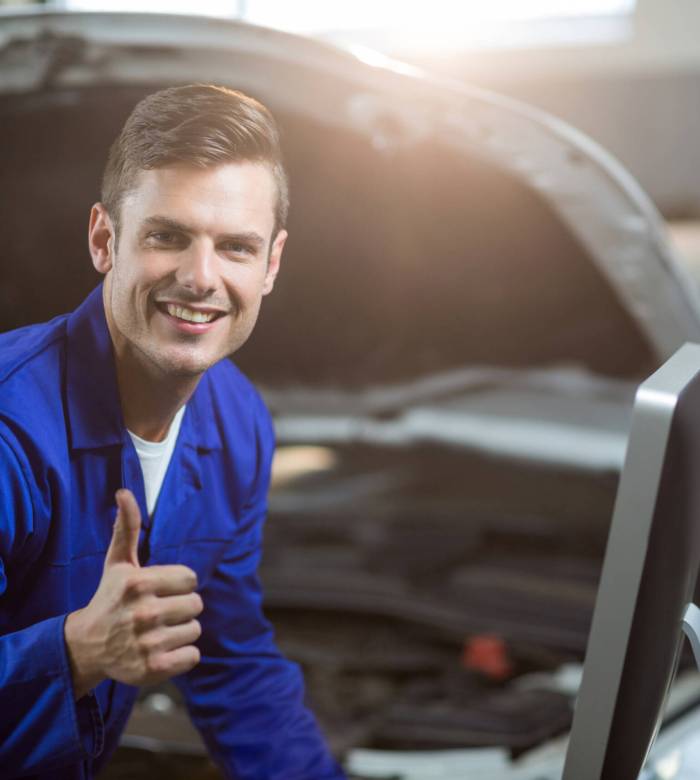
<point x="138" y="277"/>
<point x="237" y="285"/>
<point x="130" y="296"/>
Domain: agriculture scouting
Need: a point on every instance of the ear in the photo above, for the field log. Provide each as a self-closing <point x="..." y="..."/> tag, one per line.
<point x="273" y="264"/>
<point x="101" y="238"/>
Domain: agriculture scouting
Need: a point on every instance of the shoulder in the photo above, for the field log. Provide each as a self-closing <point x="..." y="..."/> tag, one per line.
<point x="32" y="362"/>
<point x="32" y="429"/>
<point x="238" y="418"/>
<point x="232" y="389"/>
<point x="31" y="348"/>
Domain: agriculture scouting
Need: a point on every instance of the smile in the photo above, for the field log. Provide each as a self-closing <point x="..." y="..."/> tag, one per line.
<point x="190" y="315"/>
<point x="187" y="320"/>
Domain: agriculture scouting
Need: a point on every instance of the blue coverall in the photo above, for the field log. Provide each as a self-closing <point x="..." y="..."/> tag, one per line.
<point x="64" y="451"/>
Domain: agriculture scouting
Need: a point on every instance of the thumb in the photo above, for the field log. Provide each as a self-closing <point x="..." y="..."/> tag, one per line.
<point x="125" y="535"/>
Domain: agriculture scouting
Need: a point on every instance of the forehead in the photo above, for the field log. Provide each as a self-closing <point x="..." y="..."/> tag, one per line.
<point x="223" y="198"/>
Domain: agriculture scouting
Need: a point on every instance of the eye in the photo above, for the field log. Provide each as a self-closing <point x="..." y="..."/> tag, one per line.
<point x="237" y="248"/>
<point x="164" y="237"/>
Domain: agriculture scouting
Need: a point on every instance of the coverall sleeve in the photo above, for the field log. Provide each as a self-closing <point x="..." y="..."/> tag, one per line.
<point x="41" y="725"/>
<point x="245" y="698"/>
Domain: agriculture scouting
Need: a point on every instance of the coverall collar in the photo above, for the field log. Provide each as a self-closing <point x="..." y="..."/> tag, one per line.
<point x="94" y="410"/>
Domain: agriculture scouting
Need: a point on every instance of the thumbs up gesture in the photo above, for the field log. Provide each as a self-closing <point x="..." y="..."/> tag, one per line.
<point x="140" y="625"/>
<point x="125" y="534"/>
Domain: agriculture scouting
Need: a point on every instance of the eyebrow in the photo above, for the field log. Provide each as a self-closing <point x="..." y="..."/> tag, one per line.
<point x="250" y="237"/>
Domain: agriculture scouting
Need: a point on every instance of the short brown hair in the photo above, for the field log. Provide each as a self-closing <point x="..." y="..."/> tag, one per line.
<point x="197" y="124"/>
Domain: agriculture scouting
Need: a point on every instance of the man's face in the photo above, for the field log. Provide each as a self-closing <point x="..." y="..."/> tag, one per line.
<point x="194" y="258"/>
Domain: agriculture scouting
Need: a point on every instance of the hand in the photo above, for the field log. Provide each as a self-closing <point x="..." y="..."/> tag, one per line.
<point x="140" y="624"/>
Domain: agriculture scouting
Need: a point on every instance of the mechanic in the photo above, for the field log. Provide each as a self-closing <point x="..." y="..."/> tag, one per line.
<point x="130" y="400"/>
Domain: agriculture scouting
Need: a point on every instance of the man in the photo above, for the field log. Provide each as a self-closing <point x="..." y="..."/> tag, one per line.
<point x="131" y="395"/>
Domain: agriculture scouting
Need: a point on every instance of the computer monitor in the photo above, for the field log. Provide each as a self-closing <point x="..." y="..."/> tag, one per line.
<point x="647" y="582"/>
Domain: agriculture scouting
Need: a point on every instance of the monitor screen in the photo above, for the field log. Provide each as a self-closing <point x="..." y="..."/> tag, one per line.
<point x="647" y="582"/>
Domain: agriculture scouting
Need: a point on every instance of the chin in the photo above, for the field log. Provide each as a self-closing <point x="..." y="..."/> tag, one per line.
<point x="185" y="366"/>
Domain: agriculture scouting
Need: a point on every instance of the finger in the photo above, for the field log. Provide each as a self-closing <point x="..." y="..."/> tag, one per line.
<point x="168" y="638"/>
<point x="180" y="609"/>
<point x="181" y="660"/>
<point x="123" y="548"/>
<point x="167" y="610"/>
<point x="170" y="580"/>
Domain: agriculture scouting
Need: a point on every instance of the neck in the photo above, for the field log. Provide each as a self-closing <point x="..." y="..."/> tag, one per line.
<point x="149" y="404"/>
<point x="150" y="398"/>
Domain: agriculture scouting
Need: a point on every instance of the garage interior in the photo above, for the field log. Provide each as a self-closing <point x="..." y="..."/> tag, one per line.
<point x="442" y="492"/>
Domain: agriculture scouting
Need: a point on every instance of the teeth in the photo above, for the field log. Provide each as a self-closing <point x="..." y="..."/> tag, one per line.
<point x="183" y="313"/>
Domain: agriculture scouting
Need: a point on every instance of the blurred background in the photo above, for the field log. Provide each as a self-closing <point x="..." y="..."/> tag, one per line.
<point x="495" y="236"/>
<point x="623" y="71"/>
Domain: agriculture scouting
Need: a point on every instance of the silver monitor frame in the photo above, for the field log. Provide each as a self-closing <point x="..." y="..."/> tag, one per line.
<point x="626" y="553"/>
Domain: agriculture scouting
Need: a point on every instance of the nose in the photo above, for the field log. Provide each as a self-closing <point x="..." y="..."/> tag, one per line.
<point x="197" y="269"/>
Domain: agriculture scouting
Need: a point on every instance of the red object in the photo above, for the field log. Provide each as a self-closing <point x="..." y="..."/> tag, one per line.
<point x="488" y="655"/>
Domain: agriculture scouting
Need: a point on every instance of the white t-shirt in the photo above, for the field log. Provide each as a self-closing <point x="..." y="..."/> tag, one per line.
<point x="154" y="457"/>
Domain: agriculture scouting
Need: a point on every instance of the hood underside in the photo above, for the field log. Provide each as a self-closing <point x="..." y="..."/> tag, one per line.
<point x="432" y="227"/>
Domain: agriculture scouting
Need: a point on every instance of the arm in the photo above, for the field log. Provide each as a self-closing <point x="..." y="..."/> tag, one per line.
<point x="137" y="628"/>
<point x="41" y="725"/>
<point x="245" y="698"/>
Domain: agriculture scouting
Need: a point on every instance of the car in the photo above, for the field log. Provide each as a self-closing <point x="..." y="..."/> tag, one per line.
<point x="471" y="293"/>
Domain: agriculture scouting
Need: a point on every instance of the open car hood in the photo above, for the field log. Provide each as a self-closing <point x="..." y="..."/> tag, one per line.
<point x="434" y="226"/>
<point x="461" y="269"/>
